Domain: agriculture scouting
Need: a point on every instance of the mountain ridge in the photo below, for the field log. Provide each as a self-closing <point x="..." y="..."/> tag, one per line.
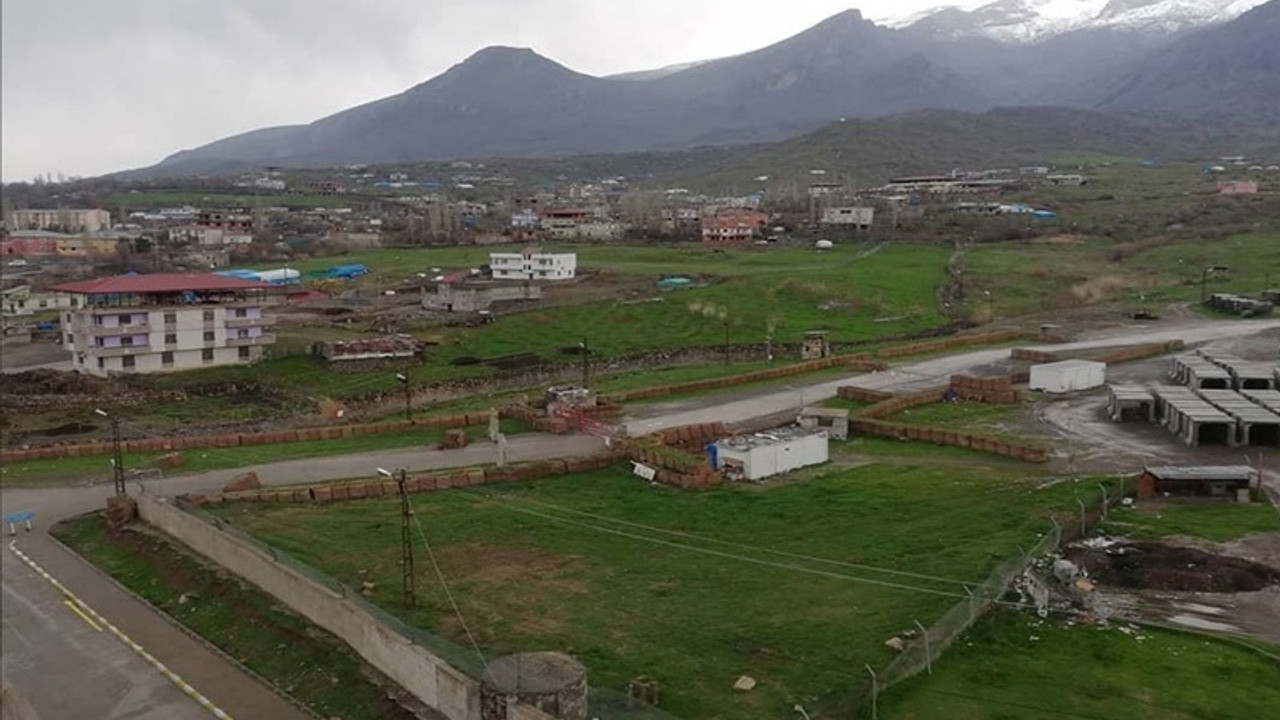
<point x="508" y="101"/>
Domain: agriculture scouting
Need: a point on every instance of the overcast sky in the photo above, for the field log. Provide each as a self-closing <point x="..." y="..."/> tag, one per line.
<point x="93" y="86"/>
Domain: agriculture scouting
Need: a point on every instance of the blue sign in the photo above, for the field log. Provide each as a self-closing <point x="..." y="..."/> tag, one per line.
<point x="20" y="517"/>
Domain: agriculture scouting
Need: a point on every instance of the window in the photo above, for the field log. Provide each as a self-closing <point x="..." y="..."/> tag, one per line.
<point x="170" y="318"/>
<point x="244" y="353"/>
<point x="241" y="312"/>
<point x="206" y="354"/>
<point x="208" y="316"/>
<point x="101" y="363"/>
<point x="125" y="320"/>
<point x="242" y="333"/>
<point x="166" y="358"/>
<point x="208" y="336"/>
<point x="127" y="362"/>
<point x="70" y="338"/>
<point x="171" y="338"/>
<point x="126" y="341"/>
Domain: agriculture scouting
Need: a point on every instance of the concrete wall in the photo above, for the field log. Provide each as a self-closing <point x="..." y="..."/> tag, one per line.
<point x="429" y="678"/>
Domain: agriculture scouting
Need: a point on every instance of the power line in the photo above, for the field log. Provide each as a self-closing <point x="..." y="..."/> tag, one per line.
<point x="449" y="593"/>
<point x="726" y="555"/>
<point x="744" y="546"/>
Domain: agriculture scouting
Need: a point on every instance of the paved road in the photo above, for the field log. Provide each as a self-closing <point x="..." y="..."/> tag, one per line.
<point x="55" y="641"/>
<point x="916" y="376"/>
<point x="69" y="669"/>
<point x="111" y="681"/>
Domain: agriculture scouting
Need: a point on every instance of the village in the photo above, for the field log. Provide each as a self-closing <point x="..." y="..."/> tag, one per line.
<point x="992" y="421"/>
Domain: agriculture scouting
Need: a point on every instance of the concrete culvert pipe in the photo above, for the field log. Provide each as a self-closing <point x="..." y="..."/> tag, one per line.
<point x="549" y="681"/>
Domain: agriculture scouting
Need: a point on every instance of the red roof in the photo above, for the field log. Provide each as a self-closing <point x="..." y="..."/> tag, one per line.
<point x="160" y="283"/>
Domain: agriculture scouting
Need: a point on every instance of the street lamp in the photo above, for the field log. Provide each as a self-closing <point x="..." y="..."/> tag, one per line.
<point x="117" y="454"/>
<point x="408" y="396"/>
<point x="1204" y="279"/>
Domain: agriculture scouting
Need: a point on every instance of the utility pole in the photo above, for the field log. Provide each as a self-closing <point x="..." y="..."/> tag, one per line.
<point x="406" y="535"/>
<point x="117" y="453"/>
<point x="586" y="363"/>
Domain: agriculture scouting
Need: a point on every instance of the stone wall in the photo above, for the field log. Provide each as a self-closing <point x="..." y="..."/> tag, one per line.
<point x="423" y="674"/>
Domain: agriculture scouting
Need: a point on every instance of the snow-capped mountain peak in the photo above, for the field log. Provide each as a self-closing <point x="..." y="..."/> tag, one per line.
<point x="1034" y="20"/>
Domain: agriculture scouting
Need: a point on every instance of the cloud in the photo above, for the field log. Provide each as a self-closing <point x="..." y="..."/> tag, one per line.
<point x="93" y="86"/>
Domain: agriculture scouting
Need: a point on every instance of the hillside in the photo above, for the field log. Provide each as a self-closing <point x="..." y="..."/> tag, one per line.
<point x="1229" y="70"/>
<point x="864" y="152"/>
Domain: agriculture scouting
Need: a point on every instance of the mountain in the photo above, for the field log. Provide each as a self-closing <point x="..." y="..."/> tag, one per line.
<point x="1027" y="21"/>
<point x="1227" y="70"/>
<point x="512" y="102"/>
<point x="870" y="151"/>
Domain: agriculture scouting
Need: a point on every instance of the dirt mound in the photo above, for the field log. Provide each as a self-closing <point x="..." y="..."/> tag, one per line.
<point x="1148" y="566"/>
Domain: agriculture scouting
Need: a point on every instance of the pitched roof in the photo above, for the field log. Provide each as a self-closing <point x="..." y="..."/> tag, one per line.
<point x="160" y="283"/>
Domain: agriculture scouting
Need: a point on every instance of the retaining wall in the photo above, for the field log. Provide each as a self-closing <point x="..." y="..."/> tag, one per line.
<point x="949" y="343"/>
<point x="423" y="674"/>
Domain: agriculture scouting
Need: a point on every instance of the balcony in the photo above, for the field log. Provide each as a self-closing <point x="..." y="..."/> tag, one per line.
<point x="113" y="330"/>
<point x="244" y="322"/>
<point x="121" y="351"/>
<point x="265" y="339"/>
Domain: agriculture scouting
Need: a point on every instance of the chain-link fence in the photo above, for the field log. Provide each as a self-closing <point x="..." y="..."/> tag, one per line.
<point x="1093" y="504"/>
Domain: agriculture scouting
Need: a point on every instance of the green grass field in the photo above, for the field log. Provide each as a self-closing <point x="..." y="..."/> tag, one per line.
<point x="786" y="291"/>
<point x="587" y="564"/>
<point x="1018" y="667"/>
<point x="1218" y="522"/>
<point x="1026" y="277"/>
<point x="994" y="419"/>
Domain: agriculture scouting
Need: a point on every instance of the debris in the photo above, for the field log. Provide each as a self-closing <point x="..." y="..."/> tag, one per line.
<point x="367" y="588"/>
<point x="895" y="643"/>
<point x="745" y="683"/>
<point x="1083" y="585"/>
<point x="243" y="481"/>
<point x="1065" y="570"/>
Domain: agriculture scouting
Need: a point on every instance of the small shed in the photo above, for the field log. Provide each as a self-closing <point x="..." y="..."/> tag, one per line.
<point x="1213" y="481"/>
<point x="1067" y="376"/>
<point x="814" y="345"/>
<point x="769" y="453"/>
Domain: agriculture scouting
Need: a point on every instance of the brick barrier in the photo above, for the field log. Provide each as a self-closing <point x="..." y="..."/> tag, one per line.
<point x="854" y="363"/>
<point x="308" y="434"/>
<point x="445" y="479"/>
<point x="898" y="403"/>
<point x="949" y="343"/>
<point x="998" y="389"/>
<point x="857" y="394"/>
<point x="941" y="436"/>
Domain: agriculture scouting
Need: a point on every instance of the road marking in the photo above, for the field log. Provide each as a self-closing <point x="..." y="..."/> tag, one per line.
<point x="100" y="622"/>
<point x="75" y="609"/>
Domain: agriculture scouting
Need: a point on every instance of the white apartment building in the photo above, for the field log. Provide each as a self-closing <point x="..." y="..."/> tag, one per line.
<point x="533" y="265"/>
<point x="166" y="322"/>
<point x="858" y="217"/>
<point x="63" y="220"/>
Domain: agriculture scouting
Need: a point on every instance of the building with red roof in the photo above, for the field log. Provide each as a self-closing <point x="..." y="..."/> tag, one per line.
<point x="165" y="322"/>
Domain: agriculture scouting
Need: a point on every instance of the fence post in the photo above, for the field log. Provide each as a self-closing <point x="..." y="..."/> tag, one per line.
<point x="875" y="690"/>
<point x="928" y="657"/>
<point x="972" y="609"/>
<point x="1084" y="528"/>
<point x="1104" y="500"/>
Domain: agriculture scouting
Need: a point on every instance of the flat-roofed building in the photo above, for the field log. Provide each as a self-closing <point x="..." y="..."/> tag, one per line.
<point x="166" y="322"/>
